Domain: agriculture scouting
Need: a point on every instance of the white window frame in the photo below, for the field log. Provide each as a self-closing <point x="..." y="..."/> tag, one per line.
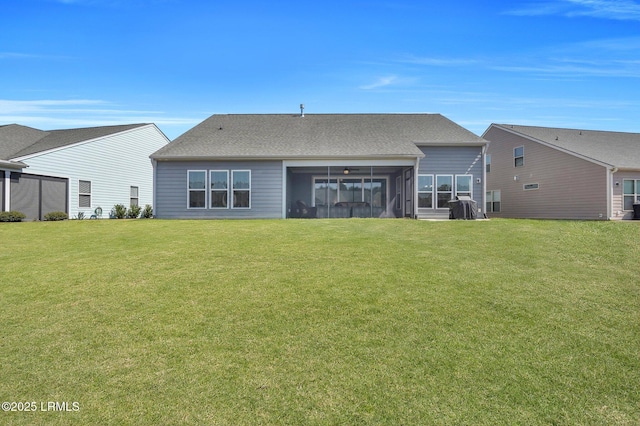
<point x="233" y="190"/>
<point x="189" y="190"/>
<point x="487" y="162"/>
<point x="470" y="192"/>
<point x="433" y="186"/>
<point x="85" y="194"/>
<point x="211" y="190"/>
<point x="635" y="195"/>
<point x="515" y="157"/>
<point x="435" y="201"/>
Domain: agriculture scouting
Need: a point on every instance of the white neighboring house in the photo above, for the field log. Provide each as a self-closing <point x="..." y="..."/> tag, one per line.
<point x="76" y="170"/>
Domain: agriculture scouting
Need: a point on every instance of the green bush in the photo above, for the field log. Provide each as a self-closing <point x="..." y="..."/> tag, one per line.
<point x="147" y="212"/>
<point x="53" y="216"/>
<point x="12" y="216"/>
<point x="133" y="212"/>
<point x="119" y="211"/>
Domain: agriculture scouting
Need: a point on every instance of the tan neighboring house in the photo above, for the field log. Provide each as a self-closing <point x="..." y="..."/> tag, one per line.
<point x="555" y="173"/>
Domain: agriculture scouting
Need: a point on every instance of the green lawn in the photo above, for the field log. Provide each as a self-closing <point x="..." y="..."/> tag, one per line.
<point x="357" y="321"/>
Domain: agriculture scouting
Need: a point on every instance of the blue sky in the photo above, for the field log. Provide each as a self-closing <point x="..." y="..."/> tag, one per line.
<point x="561" y="63"/>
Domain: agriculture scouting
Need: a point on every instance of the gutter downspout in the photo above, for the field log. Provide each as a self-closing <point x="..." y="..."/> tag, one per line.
<point x="414" y="181"/>
<point x="7" y="190"/>
<point x="284" y="188"/>
<point x="485" y="148"/>
<point x="610" y="173"/>
<point x="154" y="164"/>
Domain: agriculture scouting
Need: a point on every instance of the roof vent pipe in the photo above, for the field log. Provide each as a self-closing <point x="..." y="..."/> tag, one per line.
<point x="301" y="110"/>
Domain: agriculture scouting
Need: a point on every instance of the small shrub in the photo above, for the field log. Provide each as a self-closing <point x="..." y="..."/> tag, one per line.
<point x="54" y="216"/>
<point x="133" y="212"/>
<point x="12" y="216"/>
<point x="119" y="211"/>
<point x="147" y="212"/>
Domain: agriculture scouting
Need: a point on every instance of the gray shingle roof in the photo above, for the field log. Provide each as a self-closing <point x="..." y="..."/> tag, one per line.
<point x="14" y="138"/>
<point x="18" y="141"/>
<point x="616" y="149"/>
<point x="285" y="136"/>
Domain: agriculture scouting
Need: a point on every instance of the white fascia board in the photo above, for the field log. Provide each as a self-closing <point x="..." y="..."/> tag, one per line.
<point x="12" y="165"/>
<point x="460" y="144"/>
<point x="343" y="163"/>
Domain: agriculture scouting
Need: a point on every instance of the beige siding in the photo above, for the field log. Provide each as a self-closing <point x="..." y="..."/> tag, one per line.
<point x="569" y="187"/>
<point x="619" y="177"/>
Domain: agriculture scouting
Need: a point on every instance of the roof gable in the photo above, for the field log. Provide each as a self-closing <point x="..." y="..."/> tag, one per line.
<point x="315" y="136"/>
<point x="60" y="138"/>
<point x="617" y="149"/>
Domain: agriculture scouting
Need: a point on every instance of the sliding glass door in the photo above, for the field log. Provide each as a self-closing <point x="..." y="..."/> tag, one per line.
<point x="346" y="197"/>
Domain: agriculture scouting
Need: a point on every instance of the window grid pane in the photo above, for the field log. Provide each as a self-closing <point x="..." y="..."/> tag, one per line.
<point x="196" y="199"/>
<point x="84" y="200"/>
<point x="241" y="180"/>
<point x="84" y="187"/>
<point x="197" y="180"/>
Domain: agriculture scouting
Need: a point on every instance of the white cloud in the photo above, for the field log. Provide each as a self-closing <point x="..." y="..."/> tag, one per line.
<point x="48" y="114"/>
<point x="595" y="58"/>
<point x="607" y="9"/>
<point x="440" y="62"/>
<point x="623" y="10"/>
<point x="12" y="106"/>
<point x="381" y="82"/>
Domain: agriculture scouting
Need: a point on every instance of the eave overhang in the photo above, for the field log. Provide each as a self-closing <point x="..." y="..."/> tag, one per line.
<point x="12" y="165"/>
<point x="285" y="158"/>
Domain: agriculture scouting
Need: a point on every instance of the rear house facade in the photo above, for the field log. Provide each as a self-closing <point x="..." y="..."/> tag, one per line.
<point x="556" y="173"/>
<point x="318" y="166"/>
<point x="76" y="170"/>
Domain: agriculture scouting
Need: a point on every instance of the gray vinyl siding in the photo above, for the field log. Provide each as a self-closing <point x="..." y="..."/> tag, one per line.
<point x="171" y="190"/>
<point x="452" y="160"/>
<point x="569" y="187"/>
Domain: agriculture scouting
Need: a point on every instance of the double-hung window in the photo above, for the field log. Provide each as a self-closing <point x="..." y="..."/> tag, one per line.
<point x="488" y="163"/>
<point x="84" y="193"/>
<point x="133" y="196"/>
<point x="444" y="188"/>
<point x="219" y="181"/>
<point x="425" y="191"/>
<point x="493" y="201"/>
<point x="241" y="189"/>
<point x="631" y="193"/>
<point x="197" y="189"/>
<point x="464" y="186"/>
<point x="518" y="156"/>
